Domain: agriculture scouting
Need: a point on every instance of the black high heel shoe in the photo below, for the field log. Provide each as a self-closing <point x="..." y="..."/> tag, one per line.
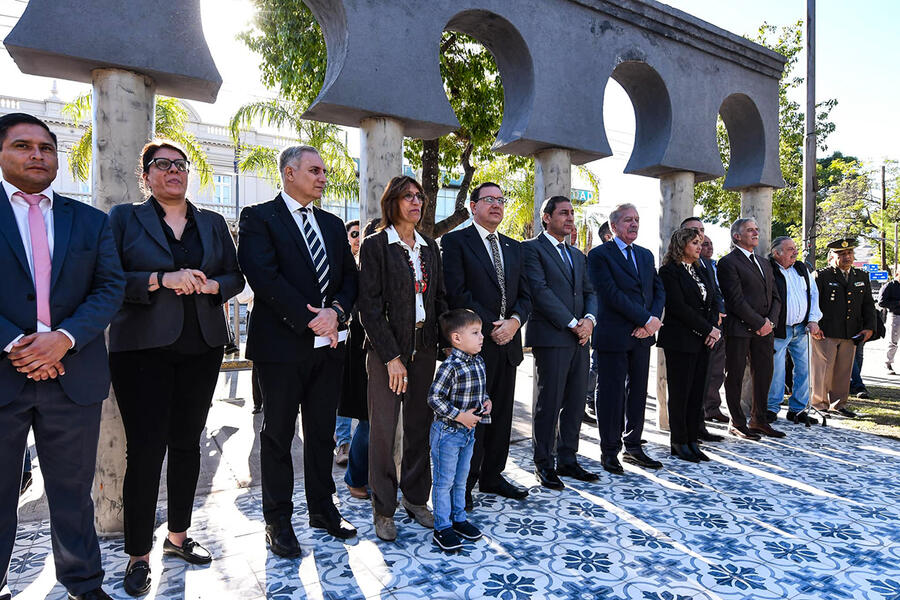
<point x="684" y="452"/>
<point x="697" y="451"/>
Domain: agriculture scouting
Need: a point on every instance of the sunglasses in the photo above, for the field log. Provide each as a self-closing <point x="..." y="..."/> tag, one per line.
<point x="163" y="164"/>
<point x="354" y="234"/>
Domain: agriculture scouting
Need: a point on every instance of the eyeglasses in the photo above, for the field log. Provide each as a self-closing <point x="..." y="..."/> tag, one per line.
<point x="493" y="200"/>
<point x="163" y="164"/>
<point x="410" y="197"/>
<point x="354" y="234"/>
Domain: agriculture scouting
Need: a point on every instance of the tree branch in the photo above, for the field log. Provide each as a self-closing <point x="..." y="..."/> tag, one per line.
<point x="460" y="212"/>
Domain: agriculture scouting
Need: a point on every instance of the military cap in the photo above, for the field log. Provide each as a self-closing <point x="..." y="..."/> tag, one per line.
<point x="842" y="244"/>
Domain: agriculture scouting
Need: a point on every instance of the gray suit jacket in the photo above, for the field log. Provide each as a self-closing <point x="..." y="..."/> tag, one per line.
<point x="557" y="296"/>
<point x="154" y="320"/>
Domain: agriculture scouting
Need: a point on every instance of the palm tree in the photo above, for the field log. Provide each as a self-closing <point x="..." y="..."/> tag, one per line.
<point x="170" y="122"/>
<point x="343" y="180"/>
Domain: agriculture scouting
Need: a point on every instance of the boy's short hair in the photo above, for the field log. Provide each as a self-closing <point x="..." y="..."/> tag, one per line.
<point x="457" y="318"/>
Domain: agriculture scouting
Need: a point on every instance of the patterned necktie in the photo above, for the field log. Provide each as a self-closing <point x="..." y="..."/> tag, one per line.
<point x="40" y="254"/>
<point x="501" y="276"/>
<point x="565" y="256"/>
<point x="317" y="251"/>
<point x="629" y="252"/>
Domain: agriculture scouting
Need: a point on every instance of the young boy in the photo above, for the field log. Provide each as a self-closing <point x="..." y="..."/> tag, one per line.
<point x="459" y="399"/>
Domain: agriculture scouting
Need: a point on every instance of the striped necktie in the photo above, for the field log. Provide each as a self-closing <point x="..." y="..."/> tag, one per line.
<point x="316" y="251"/>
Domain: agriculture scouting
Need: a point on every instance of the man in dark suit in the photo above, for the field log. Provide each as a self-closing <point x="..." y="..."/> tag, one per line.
<point x="631" y="299"/>
<point x="561" y="323"/>
<point x="753" y="305"/>
<point x="298" y="262"/>
<point x="62" y="284"/>
<point x="483" y="272"/>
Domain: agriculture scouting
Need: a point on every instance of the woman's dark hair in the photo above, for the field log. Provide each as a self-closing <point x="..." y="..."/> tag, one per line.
<point x="390" y="199"/>
<point x="147" y="154"/>
<point x="677" y="243"/>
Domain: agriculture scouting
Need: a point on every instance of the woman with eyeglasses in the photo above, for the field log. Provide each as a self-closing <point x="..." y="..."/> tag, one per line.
<point x="166" y="346"/>
<point x="401" y="294"/>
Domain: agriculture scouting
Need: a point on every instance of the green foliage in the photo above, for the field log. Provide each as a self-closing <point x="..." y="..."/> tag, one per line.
<point x="171" y="119"/>
<point x="723" y="206"/>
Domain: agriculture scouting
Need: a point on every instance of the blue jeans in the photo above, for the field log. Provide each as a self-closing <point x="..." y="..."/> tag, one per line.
<point x="856" y="382"/>
<point x="451" y="452"/>
<point x="796" y="341"/>
<point x="357" y="474"/>
<point x="342" y="430"/>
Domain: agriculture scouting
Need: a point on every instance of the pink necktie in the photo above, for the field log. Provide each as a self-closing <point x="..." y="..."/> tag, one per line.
<point x="40" y="254"/>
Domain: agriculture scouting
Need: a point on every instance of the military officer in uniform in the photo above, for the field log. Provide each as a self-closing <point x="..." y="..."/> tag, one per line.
<point x="848" y="318"/>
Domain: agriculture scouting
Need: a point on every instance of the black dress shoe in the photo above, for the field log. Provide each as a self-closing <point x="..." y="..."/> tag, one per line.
<point x="27" y="480"/>
<point x="863" y="395"/>
<point x="470" y="504"/>
<point x="611" y="464"/>
<point x="190" y="551"/>
<point x="548" y="478"/>
<point x="684" y="452"/>
<point x="771" y="416"/>
<point x="639" y="457"/>
<point x="718" y="416"/>
<point x="504" y="488"/>
<point x="801" y="417"/>
<point x="577" y="471"/>
<point x="333" y="524"/>
<point x="697" y="451"/>
<point x="281" y="539"/>
<point x="97" y="594"/>
<point x="706" y="436"/>
<point x="588" y="418"/>
<point x="847" y="412"/>
<point x="137" y="578"/>
<point x="742" y="432"/>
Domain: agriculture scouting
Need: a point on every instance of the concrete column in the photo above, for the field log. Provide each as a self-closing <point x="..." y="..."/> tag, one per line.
<point x="675" y="205"/>
<point x="380" y="158"/>
<point x="552" y="177"/>
<point x="756" y="202"/>
<point x="123" y="106"/>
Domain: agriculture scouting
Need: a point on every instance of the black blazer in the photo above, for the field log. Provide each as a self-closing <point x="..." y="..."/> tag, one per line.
<point x="750" y="296"/>
<point x="274" y="258"/>
<point x="154" y="319"/>
<point x="86" y="288"/>
<point x="472" y="283"/>
<point x="626" y="300"/>
<point x="688" y="318"/>
<point x="387" y="304"/>
<point x="557" y="297"/>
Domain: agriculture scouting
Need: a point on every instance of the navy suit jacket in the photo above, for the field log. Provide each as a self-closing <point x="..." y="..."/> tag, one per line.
<point x="471" y="282"/>
<point x="626" y="299"/>
<point x="273" y="256"/>
<point x="86" y="290"/>
<point x="556" y="296"/>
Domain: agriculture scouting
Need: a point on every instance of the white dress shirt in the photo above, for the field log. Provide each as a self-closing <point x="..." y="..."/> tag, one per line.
<point x="795" y="302"/>
<point x="20" y="212"/>
<point x="567" y="260"/>
<point x="294" y="208"/>
<point x="414" y="254"/>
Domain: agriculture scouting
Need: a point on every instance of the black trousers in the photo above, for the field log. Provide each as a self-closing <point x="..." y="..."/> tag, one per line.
<point x="559" y="407"/>
<point x="686" y="380"/>
<point x="65" y="435"/>
<point x="384" y="414"/>
<point x="715" y="377"/>
<point x="164" y="398"/>
<point x="313" y="387"/>
<point x="761" y="352"/>
<point x="492" y="441"/>
<point x="622" y="397"/>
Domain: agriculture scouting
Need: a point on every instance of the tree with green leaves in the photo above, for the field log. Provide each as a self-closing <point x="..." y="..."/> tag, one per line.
<point x="171" y="119"/>
<point x="724" y="206"/>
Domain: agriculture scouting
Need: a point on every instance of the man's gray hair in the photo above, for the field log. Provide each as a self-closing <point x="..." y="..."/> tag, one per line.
<point x="777" y="242"/>
<point x="616" y="215"/>
<point x="738" y="225"/>
<point x="290" y="155"/>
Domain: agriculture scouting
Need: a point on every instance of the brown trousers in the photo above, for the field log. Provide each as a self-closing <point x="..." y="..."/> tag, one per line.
<point x="384" y="413"/>
<point x="830" y="369"/>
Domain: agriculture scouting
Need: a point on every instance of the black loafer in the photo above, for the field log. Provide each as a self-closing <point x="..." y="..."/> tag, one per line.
<point x="611" y="464"/>
<point x="639" y="457"/>
<point x="137" y="578"/>
<point x="333" y="524"/>
<point x="281" y="539"/>
<point x="846" y="412"/>
<point x="548" y="478"/>
<point x="504" y="488"/>
<point x="706" y="436"/>
<point x="95" y="594"/>
<point x="771" y="416"/>
<point x="190" y="551"/>
<point x="697" y="451"/>
<point x="577" y="471"/>
<point x="684" y="452"/>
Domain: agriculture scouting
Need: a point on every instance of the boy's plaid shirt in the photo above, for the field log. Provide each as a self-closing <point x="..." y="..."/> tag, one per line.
<point x="459" y="385"/>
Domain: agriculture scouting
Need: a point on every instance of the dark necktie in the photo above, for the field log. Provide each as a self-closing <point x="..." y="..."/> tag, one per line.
<point x="316" y="251"/>
<point x="567" y="260"/>
<point x="501" y="276"/>
<point x="629" y="252"/>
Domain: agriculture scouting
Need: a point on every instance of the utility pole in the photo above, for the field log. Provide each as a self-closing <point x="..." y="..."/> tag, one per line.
<point x="809" y="140"/>
<point x="883" y="221"/>
<point x="236" y="319"/>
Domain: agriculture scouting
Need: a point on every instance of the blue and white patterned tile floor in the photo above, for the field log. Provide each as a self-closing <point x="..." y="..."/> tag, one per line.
<point x="813" y="516"/>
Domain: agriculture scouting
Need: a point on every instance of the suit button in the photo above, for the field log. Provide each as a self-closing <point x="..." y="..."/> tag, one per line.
<point x="30" y="297"/>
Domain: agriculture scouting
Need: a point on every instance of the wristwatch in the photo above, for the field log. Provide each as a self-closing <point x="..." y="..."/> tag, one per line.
<point x="342" y="316"/>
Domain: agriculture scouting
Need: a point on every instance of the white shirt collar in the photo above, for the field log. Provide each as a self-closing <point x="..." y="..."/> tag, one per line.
<point x="292" y="204"/>
<point x="394" y="238"/>
<point x="621" y="243"/>
<point x="747" y="253"/>
<point x="553" y="240"/>
<point x="10" y="189"/>
<point x="483" y="232"/>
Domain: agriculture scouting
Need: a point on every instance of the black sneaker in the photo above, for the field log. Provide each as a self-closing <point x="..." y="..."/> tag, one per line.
<point x="447" y="539"/>
<point x="467" y="530"/>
